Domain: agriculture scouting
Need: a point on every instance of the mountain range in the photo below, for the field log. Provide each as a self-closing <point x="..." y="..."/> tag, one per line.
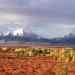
<point x="19" y="36"/>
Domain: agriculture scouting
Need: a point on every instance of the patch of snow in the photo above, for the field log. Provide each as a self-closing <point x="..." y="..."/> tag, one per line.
<point x="19" y="32"/>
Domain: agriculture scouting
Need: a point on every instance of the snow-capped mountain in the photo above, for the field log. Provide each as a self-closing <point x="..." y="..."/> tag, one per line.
<point x="67" y="39"/>
<point x="1" y="34"/>
<point x="20" y="32"/>
<point x="21" y="36"/>
<point x="70" y="35"/>
<point x="17" y="32"/>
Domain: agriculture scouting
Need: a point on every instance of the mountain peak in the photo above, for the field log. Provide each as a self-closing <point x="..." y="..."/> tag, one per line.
<point x="70" y="35"/>
<point x="19" y="32"/>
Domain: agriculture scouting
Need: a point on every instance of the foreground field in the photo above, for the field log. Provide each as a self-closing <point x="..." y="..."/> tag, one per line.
<point x="36" y="66"/>
<point x="37" y="60"/>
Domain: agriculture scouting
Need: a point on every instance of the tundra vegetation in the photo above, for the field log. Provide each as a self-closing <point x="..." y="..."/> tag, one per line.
<point x="59" y="54"/>
<point x="37" y="61"/>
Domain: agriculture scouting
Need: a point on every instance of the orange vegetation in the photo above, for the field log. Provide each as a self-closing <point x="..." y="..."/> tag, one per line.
<point x="35" y="66"/>
<point x="37" y="61"/>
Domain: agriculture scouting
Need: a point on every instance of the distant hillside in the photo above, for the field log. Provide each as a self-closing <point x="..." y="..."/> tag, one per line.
<point x="20" y="36"/>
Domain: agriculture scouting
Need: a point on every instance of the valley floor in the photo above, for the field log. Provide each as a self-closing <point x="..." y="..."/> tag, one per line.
<point x="36" y="60"/>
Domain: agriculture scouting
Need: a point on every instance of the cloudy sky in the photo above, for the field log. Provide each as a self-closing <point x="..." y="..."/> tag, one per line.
<point x="47" y="18"/>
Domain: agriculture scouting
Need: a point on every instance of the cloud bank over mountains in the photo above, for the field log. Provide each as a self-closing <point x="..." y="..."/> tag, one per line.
<point x="48" y="18"/>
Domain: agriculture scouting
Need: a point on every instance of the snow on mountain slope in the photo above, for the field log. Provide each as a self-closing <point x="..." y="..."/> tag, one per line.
<point x="18" y="32"/>
<point x="1" y="34"/>
<point x="21" y="36"/>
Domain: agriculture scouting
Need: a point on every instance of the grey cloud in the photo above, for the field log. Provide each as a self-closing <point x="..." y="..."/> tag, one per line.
<point x="38" y="7"/>
<point x="62" y="11"/>
<point x="46" y="14"/>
